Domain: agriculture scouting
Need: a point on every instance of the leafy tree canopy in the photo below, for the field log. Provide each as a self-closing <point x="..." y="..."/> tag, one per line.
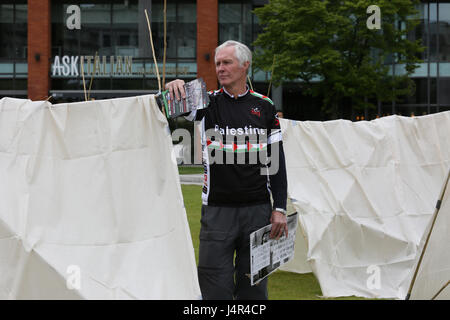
<point x="328" y="46"/>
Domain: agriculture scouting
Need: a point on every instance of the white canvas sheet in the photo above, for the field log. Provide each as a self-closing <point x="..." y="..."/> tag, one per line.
<point x="90" y="196"/>
<point x="433" y="274"/>
<point x="365" y="192"/>
<point x="299" y="262"/>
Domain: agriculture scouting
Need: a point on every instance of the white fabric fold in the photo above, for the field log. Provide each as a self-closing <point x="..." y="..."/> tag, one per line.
<point x="91" y="184"/>
<point x="365" y="192"/>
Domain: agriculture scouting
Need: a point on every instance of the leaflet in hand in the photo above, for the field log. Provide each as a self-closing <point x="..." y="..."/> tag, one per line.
<point x="196" y="98"/>
<point x="267" y="255"/>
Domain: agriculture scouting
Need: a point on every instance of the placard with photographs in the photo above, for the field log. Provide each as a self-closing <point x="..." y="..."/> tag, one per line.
<point x="267" y="255"/>
<point x="196" y="98"/>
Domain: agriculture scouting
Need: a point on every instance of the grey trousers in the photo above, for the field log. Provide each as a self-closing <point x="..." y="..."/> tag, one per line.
<point x="225" y="231"/>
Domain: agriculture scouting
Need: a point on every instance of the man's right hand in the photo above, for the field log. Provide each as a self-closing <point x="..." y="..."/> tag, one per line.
<point x="176" y="89"/>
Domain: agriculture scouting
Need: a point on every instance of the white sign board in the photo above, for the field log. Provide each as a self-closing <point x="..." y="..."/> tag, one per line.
<point x="267" y="255"/>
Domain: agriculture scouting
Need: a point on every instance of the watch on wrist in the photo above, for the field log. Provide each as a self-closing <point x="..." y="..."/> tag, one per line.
<point x="283" y="211"/>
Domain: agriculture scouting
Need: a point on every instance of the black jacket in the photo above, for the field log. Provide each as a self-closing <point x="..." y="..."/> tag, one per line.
<point x="238" y="137"/>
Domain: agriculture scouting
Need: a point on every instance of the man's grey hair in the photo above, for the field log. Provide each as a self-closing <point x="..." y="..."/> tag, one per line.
<point x="241" y="51"/>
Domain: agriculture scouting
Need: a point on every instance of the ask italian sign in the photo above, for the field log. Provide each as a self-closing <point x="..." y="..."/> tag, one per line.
<point x="106" y="66"/>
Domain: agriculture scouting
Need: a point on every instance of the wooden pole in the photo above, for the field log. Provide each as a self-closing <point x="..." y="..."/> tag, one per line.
<point x="271" y="75"/>
<point x="250" y="82"/>
<point x="165" y="43"/>
<point x="84" y="82"/>
<point x="92" y="78"/>
<point x="436" y="212"/>
<point x="153" y="50"/>
<point x="440" y="290"/>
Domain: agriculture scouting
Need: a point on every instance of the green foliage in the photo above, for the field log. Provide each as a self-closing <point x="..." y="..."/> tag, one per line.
<point x="328" y="46"/>
<point x="192" y="196"/>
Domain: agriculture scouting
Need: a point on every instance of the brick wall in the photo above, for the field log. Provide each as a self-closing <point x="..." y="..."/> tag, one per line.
<point x="39" y="49"/>
<point x="207" y="41"/>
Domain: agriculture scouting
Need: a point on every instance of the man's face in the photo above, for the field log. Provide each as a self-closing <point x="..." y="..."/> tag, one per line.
<point x="229" y="72"/>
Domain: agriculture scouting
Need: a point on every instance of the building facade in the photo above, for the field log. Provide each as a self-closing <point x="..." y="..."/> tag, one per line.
<point x="45" y="51"/>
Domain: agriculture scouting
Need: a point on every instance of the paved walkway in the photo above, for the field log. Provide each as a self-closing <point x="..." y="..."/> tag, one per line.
<point x="196" y="179"/>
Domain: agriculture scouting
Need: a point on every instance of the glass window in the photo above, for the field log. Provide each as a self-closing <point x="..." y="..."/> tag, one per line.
<point x="187" y="31"/>
<point x="13" y="35"/>
<point x="6" y="13"/>
<point x="21" y="32"/>
<point x="444" y="93"/>
<point x="157" y="25"/>
<point x="95" y="13"/>
<point x="421" y="92"/>
<point x="230" y="27"/>
<point x="181" y="30"/>
<point x="96" y="27"/>
<point x="444" y="69"/>
<point x="13" y="45"/>
<point x="230" y="12"/>
<point x="444" y="32"/>
<point x="237" y="22"/>
<point x="125" y="31"/>
<point x="432" y="32"/>
<point x="125" y="13"/>
<point x="247" y="20"/>
<point x="118" y="28"/>
<point x="64" y="41"/>
<point x="7" y="45"/>
<point x="6" y="84"/>
<point x="127" y="84"/>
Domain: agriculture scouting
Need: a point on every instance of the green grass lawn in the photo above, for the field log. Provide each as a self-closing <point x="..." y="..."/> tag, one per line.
<point x="190" y="169"/>
<point x="282" y="285"/>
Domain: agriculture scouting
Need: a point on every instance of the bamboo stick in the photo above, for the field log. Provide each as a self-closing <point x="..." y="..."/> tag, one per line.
<point x="165" y="43"/>
<point x="271" y="75"/>
<point x="250" y="82"/>
<point x="153" y="50"/>
<point x="82" y="75"/>
<point x="92" y="78"/>
<point x="440" y="290"/>
<point x="435" y="214"/>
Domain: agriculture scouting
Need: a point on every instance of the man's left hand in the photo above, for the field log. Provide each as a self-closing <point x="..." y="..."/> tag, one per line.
<point x="279" y="225"/>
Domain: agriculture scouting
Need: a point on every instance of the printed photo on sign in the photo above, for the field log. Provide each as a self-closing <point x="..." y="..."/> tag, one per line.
<point x="267" y="255"/>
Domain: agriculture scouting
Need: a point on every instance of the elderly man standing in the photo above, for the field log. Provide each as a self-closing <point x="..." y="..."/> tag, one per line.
<point x="236" y="195"/>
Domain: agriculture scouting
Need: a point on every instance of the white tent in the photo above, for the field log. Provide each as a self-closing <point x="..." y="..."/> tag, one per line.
<point x="91" y="204"/>
<point x="299" y="262"/>
<point x="431" y="278"/>
<point x="365" y="192"/>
